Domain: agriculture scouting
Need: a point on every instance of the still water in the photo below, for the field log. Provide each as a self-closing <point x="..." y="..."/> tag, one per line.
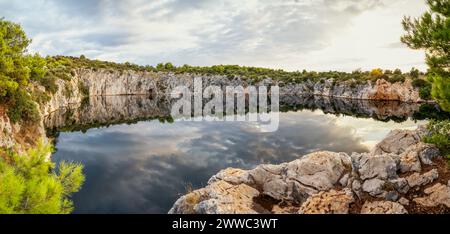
<point x="135" y="163"/>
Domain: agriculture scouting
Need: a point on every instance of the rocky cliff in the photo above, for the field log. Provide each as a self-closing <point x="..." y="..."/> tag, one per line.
<point x="400" y="175"/>
<point x="87" y="82"/>
<point x="107" y="83"/>
<point x="19" y="137"/>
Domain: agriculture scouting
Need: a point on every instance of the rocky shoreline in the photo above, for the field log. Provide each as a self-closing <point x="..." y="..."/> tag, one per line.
<point x="400" y="175"/>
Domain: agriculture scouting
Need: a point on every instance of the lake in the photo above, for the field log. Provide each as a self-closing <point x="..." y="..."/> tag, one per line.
<point x="137" y="160"/>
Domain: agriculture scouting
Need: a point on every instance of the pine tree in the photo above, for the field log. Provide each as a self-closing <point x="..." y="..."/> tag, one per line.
<point x="29" y="184"/>
<point x="431" y="32"/>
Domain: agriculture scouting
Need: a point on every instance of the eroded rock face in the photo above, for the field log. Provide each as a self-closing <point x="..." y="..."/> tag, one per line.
<point x="327" y="182"/>
<point x="331" y="202"/>
<point x="297" y="180"/>
<point x="438" y="194"/>
<point x="68" y="93"/>
<point x="379" y="166"/>
<point x="17" y="137"/>
<point x="321" y="170"/>
<point x="6" y="130"/>
<point x="397" y="142"/>
<point x="374" y="186"/>
<point x="398" y="91"/>
<point x="383" y="207"/>
<point x="427" y="153"/>
<point x="400" y="184"/>
<point x="105" y="82"/>
<point x="222" y="194"/>
<point x="417" y="179"/>
<point x="219" y="198"/>
<point x="409" y="161"/>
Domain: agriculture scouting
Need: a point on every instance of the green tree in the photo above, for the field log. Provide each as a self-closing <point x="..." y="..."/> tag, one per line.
<point x="431" y="32"/>
<point x="376" y="72"/>
<point x="160" y="67"/>
<point x="22" y="107"/>
<point x="441" y="89"/>
<point x="414" y="73"/>
<point x="37" y="66"/>
<point x="439" y="136"/>
<point x="14" y="72"/>
<point x="169" y="66"/>
<point x="31" y="185"/>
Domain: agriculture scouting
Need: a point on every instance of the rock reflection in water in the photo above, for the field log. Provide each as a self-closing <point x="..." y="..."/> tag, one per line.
<point x="144" y="167"/>
<point x="108" y="110"/>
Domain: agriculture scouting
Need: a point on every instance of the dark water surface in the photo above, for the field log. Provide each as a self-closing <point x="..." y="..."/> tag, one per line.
<point x="142" y="166"/>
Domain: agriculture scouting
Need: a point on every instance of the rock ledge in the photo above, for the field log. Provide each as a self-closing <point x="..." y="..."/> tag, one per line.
<point x="400" y="175"/>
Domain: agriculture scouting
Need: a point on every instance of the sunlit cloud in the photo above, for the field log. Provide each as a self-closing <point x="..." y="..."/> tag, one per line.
<point x="289" y="34"/>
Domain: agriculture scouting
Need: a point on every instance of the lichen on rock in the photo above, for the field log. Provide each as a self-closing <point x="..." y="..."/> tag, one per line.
<point x="331" y="202"/>
<point x="383" y="207"/>
<point x="438" y="194"/>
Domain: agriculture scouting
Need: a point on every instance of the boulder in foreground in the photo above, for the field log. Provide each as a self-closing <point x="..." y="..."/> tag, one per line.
<point x="400" y="175"/>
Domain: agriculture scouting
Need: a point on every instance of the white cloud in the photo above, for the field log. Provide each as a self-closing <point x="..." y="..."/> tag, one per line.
<point x="289" y="34"/>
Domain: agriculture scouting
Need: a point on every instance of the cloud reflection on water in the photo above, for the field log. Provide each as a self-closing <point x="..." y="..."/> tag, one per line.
<point x="143" y="168"/>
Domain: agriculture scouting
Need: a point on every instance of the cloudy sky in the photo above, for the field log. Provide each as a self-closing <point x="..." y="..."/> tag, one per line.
<point x="288" y="34"/>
